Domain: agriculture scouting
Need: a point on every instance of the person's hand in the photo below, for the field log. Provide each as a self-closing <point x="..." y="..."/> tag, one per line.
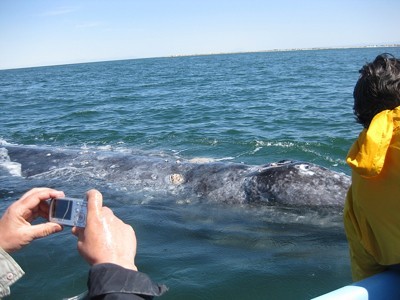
<point x="105" y="239"/>
<point x="16" y="229"/>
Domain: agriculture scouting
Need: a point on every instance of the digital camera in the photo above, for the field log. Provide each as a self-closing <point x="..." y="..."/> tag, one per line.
<point x="68" y="211"/>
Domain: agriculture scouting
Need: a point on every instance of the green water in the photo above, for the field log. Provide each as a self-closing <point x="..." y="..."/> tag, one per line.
<point x="252" y="108"/>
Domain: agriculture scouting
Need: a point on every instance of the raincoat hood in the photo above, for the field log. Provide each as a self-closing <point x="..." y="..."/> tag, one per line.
<point x="368" y="153"/>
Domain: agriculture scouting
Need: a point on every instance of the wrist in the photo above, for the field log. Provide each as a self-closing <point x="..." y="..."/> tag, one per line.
<point x="7" y="246"/>
<point x="125" y="265"/>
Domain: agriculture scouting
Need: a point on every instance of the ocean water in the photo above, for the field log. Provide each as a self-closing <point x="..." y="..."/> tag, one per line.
<point x="252" y="108"/>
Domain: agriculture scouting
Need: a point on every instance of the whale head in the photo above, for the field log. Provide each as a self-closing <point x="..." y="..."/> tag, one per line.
<point x="297" y="184"/>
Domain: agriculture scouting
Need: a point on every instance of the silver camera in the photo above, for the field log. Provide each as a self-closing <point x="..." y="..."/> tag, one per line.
<point x="68" y="211"/>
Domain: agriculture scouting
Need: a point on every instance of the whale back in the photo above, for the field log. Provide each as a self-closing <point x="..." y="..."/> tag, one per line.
<point x="297" y="184"/>
<point x="286" y="183"/>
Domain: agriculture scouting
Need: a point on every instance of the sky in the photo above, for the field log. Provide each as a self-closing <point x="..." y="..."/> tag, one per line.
<point x="54" y="32"/>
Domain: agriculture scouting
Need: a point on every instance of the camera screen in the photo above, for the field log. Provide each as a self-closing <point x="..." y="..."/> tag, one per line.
<point x="62" y="209"/>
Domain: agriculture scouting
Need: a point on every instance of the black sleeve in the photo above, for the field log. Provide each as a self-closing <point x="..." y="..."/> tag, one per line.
<point x="112" y="282"/>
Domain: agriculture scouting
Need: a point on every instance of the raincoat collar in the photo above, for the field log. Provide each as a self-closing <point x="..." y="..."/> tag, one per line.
<point x="367" y="155"/>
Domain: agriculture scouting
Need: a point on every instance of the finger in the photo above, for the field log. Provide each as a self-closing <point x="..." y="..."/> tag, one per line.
<point x="32" y="191"/>
<point x="94" y="205"/>
<point x="77" y="231"/>
<point x="44" y="209"/>
<point x="35" y="191"/>
<point x="44" y="229"/>
<point x="32" y="198"/>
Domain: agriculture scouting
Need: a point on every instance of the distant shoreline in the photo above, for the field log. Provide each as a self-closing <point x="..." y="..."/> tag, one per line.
<point x="212" y="53"/>
<point x="285" y="50"/>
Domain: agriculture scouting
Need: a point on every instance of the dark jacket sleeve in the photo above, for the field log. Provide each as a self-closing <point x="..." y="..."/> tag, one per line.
<point x="110" y="281"/>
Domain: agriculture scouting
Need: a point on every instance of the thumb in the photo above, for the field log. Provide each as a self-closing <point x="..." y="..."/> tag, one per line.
<point x="44" y="229"/>
<point x="94" y="205"/>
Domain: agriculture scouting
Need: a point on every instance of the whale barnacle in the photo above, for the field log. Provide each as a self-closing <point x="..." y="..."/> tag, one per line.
<point x="176" y="179"/>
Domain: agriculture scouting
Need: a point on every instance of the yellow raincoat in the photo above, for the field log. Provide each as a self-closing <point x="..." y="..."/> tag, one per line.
<point x="372" y="209"/>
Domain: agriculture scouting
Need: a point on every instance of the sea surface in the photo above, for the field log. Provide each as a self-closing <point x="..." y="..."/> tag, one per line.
<point x="250" y="108"/>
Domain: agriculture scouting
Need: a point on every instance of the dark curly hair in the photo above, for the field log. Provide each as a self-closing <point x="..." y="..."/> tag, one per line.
<point x="377" y="89"/>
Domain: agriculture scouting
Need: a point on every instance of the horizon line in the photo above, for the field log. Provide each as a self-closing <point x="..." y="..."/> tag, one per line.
<point x="213" y="53"/>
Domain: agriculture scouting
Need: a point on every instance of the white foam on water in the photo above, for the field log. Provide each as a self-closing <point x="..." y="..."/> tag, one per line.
<point x="13" y="168"/>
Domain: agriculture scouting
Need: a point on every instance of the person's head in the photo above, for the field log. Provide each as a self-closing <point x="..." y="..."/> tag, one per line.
<point x="377" y="89"/>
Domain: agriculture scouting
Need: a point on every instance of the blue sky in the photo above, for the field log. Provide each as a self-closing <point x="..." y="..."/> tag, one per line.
<point x="50" y="32"/>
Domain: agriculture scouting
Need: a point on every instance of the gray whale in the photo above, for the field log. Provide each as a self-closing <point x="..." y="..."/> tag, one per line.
<point x="285" y="183"/>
